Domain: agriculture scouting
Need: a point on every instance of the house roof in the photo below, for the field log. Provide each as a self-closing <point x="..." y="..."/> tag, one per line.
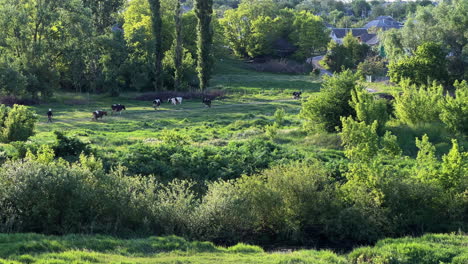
<point x="384" y="22"/>
<point x="361" y="33"/>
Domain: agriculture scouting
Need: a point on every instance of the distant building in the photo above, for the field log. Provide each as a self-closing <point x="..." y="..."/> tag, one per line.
<point x="337" y="35"/>
<point x="384" y="23"/>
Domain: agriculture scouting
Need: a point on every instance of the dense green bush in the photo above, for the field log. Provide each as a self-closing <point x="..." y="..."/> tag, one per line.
<point x="16" y="124"/>
<point x="170" y="160"/>
<point x="323" y="111"/>
<point x="369" y="109"/>
<point x="426" y="65"/>
<point x="418" y="105"/>
<point x="454" y="110"/>
<point x="376" y="193"/>
<point x="69" y="147"/>
<point x="40" y="195"/>
<point x="285" y="203"/>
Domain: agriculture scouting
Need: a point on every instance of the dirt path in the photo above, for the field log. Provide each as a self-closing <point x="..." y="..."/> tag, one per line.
<point x="315" y="62"/>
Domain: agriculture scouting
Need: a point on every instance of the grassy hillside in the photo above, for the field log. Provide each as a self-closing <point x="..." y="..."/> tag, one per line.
<point x="32" y="248"/>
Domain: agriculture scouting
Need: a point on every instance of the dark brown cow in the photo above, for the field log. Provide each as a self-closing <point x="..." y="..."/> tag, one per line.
<point x="98" y="114"/>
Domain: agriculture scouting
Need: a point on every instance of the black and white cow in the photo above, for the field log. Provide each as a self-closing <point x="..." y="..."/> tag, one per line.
<point x="207" y="102"/>
<point x="175" y="100"/>
<point x="118" y="108"/>
<point x="98" y="114"/>
<point x="297" y="95"/>
<point x="156" y="103"/>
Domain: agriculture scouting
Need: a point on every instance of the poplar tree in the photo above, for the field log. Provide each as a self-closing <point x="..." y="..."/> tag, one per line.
<point x="178" y="46"/>
<point x="156" y="22"/>
<point x="204" y="13"/>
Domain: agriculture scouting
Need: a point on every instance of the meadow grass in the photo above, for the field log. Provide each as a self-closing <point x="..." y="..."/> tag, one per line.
<point x="34" y="248"/>
<point x="250" y="102"/>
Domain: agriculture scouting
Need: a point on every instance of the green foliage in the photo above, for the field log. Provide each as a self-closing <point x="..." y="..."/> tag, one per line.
<point x="408" y="104"/>
<point x="346" y="56"/>
<point x="360" y="140"/>
<point x="158" y="54"/>
<point x="204" y="13"/>
<point x="423" y="250"/>
<point x="428" y="64"/>
<point x="263" y="34"/>
<point x="360" y="8"/>
<point x="371" y="66"/>
<point x="310" y="34"/>
<point x="369" y="109"/>
<point x="173" y="160"/>
<point x="279" y="116"/>
<point x="454" y="109"/>
<point x="69" y="147"/>
<point x="17" y="123"/>
<point x="272" y="130"/>
<point x="323" y="112"/>
<point x="56" y="197"/>
<point x="284" y="200"/>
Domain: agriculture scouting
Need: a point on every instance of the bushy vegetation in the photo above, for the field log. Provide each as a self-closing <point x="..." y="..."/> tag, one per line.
<point x="323" y="111"/>
<point x="28" y="248"/>
<point x="16" y="124"/>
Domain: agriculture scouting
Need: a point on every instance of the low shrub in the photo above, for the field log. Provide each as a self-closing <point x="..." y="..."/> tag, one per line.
<point x="170" y="160"/>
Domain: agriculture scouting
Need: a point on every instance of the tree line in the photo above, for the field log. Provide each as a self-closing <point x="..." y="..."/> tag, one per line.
<point x="103" y="46"/>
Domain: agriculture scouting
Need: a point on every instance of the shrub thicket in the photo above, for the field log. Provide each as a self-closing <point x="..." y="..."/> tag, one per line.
<point x="16" y="124"/>
<point x="323" y="111"/>
<point x="454" y="110"/>
<point x="173" y="160"/>
<point x="418" y="105"/>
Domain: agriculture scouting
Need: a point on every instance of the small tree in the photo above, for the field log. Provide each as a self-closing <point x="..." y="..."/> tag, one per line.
<point x="18" y="124"/>
<point x="323" y="111"/>
<point x="415" y="106"/>
<point x="368" y="109"/>
<point x="371" y="66"/>
<point x="428" y="64"/>
<point x="454" y="110"/>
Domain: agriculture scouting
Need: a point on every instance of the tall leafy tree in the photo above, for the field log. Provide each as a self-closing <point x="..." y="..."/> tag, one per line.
<point x="156" y="23"/>
<point x="310" y="34"/>
<point x="178" y="48"/>
<point x="204" y="13"/>
<point x="104" y="12"/>
<point x="427" y="64"/>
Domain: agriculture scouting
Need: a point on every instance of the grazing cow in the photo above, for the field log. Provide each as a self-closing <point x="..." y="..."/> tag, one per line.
<point x="98" y="114"/>
<point x="117" y="108"/>
<point x="297" y="95"/>
<point x="172" y="101"/>
<point x="175" y="100"/>
<point x="156" y="103"/>
<point x="207" y="102"/>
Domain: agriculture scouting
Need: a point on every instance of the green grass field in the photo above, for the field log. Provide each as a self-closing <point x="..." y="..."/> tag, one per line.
<point x="250" y="102"/>
<point x="32" y="248"/>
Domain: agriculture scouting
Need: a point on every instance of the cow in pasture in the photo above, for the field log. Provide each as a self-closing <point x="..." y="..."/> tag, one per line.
<point x="98" y="114"/>
<point x="117" y="108"/>
<point x="207" y="102"/>
<point x="175" y="100"/>
<point x="297" y="95"/>
<point x="156" y="103"/>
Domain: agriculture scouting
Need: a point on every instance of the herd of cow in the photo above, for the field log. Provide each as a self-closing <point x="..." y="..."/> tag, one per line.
<point x="118" y="108"/>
